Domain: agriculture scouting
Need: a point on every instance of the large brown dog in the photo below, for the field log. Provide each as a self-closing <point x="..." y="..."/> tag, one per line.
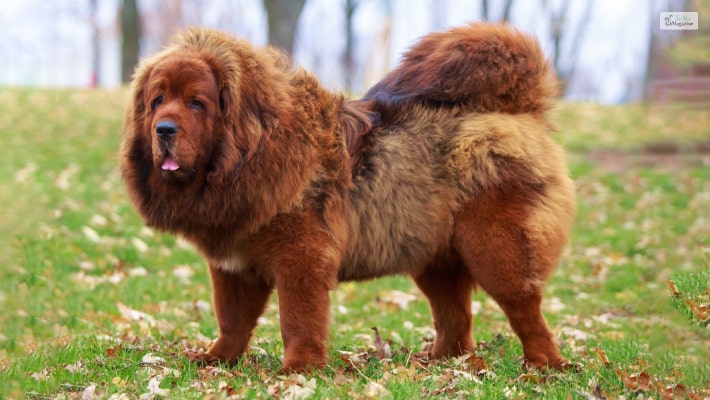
<point x="444" y="171"/>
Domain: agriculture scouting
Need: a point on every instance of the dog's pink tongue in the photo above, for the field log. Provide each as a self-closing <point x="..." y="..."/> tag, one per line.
<point x="169" y="164"/>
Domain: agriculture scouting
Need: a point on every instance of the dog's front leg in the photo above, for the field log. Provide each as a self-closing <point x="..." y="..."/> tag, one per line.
<point x="303" y="283"/>
<point x="239" y="299"/>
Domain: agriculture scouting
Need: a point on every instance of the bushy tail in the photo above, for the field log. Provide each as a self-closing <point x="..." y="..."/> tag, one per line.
<point x="482" y="67"/>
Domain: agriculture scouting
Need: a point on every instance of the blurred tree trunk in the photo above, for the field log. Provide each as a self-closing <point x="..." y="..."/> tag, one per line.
<point x="96" y="46"/>
<point x="561" y="29"/>
<point x="349" y="56"/>
<point x="283" y="18"/>
<point x="506" y="11"/>
<point x="486" y="11"/>
<point x="130" y="45"/>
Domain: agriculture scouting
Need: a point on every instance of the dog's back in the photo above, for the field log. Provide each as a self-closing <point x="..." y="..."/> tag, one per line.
<point x="464" y="111"/>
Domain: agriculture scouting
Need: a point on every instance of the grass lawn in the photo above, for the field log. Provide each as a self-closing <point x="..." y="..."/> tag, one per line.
<point x="95" y="305"/>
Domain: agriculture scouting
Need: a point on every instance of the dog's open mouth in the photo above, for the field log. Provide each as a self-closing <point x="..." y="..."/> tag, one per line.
<point x="169" y="164"/>
<point x="172" y="171"/>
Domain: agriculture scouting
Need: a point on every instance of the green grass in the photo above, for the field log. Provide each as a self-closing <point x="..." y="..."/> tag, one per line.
<point x="90" y="297"/>
<point x="694" y="47"/>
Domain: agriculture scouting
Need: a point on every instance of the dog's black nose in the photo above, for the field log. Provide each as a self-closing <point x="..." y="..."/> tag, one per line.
<point x="166" y="129"/>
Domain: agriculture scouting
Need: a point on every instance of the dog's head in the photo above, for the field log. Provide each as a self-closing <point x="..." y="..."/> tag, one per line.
<point x="182" y="106"/>
<point x="199" y="112"/>
<point x="189" y="119"/>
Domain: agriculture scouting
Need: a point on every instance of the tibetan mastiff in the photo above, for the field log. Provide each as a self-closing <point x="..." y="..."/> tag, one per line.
<point x="443" y="171"/>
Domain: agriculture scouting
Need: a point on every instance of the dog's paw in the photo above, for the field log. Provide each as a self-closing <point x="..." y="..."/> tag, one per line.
<point x="205" y="359"/>
<point x="556" y="364"/>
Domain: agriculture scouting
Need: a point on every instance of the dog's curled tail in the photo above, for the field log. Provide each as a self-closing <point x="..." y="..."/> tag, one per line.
<point x="482" y="67"/>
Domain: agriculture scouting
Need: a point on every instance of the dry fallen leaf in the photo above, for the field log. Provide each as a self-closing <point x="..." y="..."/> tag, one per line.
<point x="150" y="360"/>
<point x="140" y="245"/>
<point x="701" y="311"/>
<point x="22" y="174"/>
<point x="130" y="314"/>
<point x="354" y="358"/>
<point x="400" y="300"/>
<point x="62" y="181"/>
<point x="475" y="363"/>
<point x="154" y="389"/>
<point x="602" y="356"/>
<point x="90" y="393"/>
<point x="77" y="367"/>
<point x="675" y="391"/>
<point x="293" y="387"/>
<point x="382" y="348"/>
<point x="640" y="381"/>
<point x="42" y="375"/>
<point x="374" y="390"/>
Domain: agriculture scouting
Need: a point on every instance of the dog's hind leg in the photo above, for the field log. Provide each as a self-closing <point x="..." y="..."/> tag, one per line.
<point x="448" y="288"/>
<point x="510" y="251"/>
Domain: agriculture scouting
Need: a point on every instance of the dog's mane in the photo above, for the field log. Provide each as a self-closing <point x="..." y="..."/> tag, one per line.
<point x="356" y="121"/>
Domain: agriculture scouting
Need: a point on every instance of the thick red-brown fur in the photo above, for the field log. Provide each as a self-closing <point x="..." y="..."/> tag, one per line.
<point x="444" y="171"/>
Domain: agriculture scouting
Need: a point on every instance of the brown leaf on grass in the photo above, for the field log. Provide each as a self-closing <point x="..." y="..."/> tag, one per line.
<point x="77" y="367"/>
<point x="701" y="311"/>
<point x="409" y="373"/>
<point x="62" y="181"/>
<point x="476" y="364"/>
<point x="531" y="378"/>
<point x="293" y="387"/>
<point x="676" y="376"/>
<point x="448" y="389"/>
<point x="150" y="360"/>
<point x="140" y="245"/>
<point x="22" y="174"/>
<point x="226" y="389"/>
<point x="374" y="390"/>
<point x="340" y="378"/>
<point x="602" y="357"/>
<point x="154" y="389"/>
<point x="643" y="382"/>
<point x="640" y="381"/>
<point x="354" y="358"/>
<point x="676" y="391"/>
<point x="383" y="349"/>
<point x="598" y="393"/>
<point x="641" y="363"/>
<point x="111" y="352"/>
<point x="42" y="375"/>
<point x="89" y="393"/>
<point x="397" y="299"/>
<point x="130" y="314"/>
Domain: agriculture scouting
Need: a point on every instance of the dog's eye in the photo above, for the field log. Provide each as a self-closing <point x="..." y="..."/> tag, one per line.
<point x="196" y="104"/>
<point x="157" y="101"/>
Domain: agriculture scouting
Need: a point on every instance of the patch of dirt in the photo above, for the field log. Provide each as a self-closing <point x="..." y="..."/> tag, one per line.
<point x="662" y="155"/>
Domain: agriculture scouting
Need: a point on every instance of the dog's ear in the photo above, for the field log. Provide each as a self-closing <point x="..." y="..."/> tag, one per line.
<point x="224" y="100"/>
<point x="138" y="103"/>
<point x="136" y="152"/>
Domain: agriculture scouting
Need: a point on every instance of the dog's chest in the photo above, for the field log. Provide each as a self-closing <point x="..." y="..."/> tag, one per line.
<point x="234" y="263"/>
